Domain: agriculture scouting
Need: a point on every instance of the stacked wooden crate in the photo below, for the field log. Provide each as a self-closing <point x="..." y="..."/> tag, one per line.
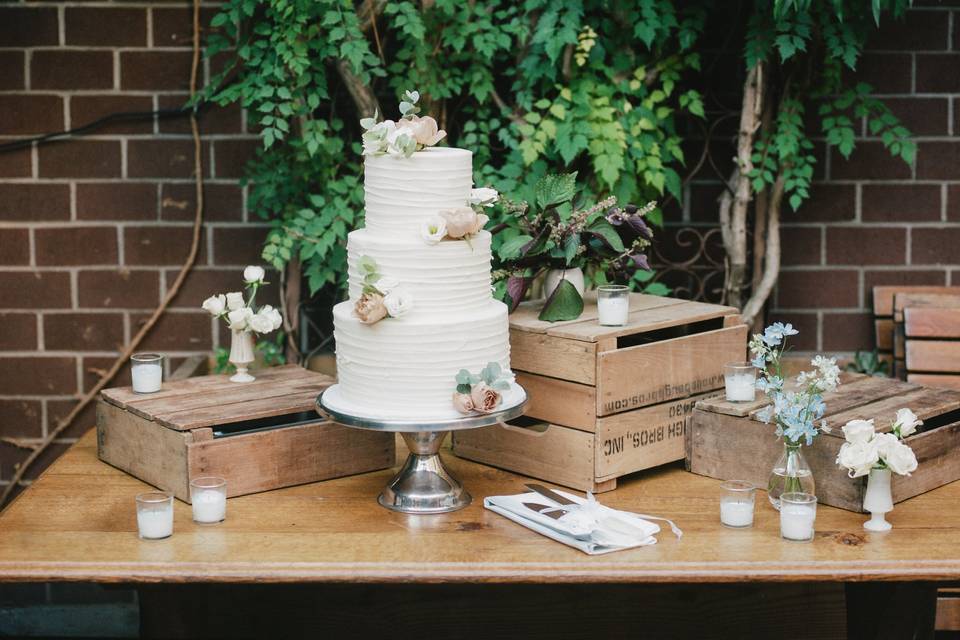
<point x="889" y="301"/>
<point x="608" y="401"/>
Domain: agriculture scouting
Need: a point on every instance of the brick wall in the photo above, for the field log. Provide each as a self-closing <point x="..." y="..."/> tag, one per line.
<point x="93" y="230"/>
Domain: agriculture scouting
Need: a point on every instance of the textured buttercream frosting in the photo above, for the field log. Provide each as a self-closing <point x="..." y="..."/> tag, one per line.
<point x="407" y="366"/>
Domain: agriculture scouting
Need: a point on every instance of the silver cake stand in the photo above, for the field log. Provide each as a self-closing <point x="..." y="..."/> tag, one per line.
<point x="423" y="485"/>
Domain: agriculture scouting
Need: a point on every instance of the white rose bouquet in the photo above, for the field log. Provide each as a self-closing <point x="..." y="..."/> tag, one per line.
<point x="239" y="312"/>
<point x="865" y="449"/>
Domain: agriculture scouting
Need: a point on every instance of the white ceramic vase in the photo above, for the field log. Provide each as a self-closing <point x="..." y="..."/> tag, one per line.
<point x="878" y="500"/>
<point x="241" y="355"/>
<point x="554" y="276"/>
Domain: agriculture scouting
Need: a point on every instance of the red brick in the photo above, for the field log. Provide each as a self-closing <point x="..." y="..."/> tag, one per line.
<point x="19" y="332"/>
<point x="26" y="202"/>
<point x="159" y="245"/>
<point x="900" y="202"/>
<point x="953" y="202"/>
<point x="915" y="31"/>
<point x="937" y="72"/>
<point x="203" y="283"/>
<point x="935" y="246"/>
<point x="866" y="245"/>
<point x="213" y="118"/>
<point x="28" y="27"/>
<point x="42" y="375"/>
<point x="105" y="27"/>
<point x="813" y="289"/>
<point x="800" y="245"/>
<point x="57" y="410"/>
<point x="232" y="156"/>
<point x="30" y="113"/>
<point x="34" y="290"/>
<point x="21" y="418"/>
<point x="871" y="161"/>
<point x="805" y="323"/>
<point x="922" y="116"/>
<point x="76" y="246"/>
<point x="173" y="27"/>
<point x="938" y="160"/>
<point x="827" y="203"/>
<point x="87" y="109"/>
<point x="887" y="72"/>
<point x="12" y="67"/>
<point x="848" y="332"/>
<point x="80" y="159"/>
<point x="221" y="202"/>
<point x="14" y="246"/>
<point x="177" y="332"/>
<point x="238" y="245"/>
<point x="83" y="331"/>
<point x="155" y="70"/>
<point x="16" y="164"/>
<point x="95" y="367"/>
<point x="117" y="201"/>
<point x="119" y="289"/>
<point x="71" y="70"/>
<point x="163" y="158"/>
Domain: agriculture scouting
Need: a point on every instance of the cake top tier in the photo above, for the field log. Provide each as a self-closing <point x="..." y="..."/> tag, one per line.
<point x="401" y="192"/>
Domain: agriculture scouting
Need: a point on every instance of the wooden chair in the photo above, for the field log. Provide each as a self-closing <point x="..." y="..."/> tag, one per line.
<point x="930" y="328"/>
<point x="885" y="324"/>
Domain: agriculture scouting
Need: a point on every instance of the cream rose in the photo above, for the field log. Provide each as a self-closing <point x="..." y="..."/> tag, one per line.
<point x="858" y="430"/>
<point x="884" y="442"/>
<point x="273" y="315"/>
<point x="261" y="322"/>
<point x="908" y="422"/>
<point x="239" y="319"/>
<point x="215" y="305"/>
<point x="463" y="221"/>
<point x="484" y="196"/>
<point x="463" y="403"/>
<point x="858" y="457"/>
<point x="235" y="300"/>
<point x="485" y="399"/>
<point x="901" y="459"/>
<point x="369" y="308"/>
<point x="433" y="230"/>
<point x="398" y="302"/>
<point x="422" y="129"/>
<point x="253" y="273"/>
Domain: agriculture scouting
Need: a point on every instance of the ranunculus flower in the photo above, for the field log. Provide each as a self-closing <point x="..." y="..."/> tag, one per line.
<point x="908" y="422"/>
<point x="239" y="319"/>
<point x="463" y="221"/>
<point x="386" y="284"/>
<point x="369" y="308"/>
<point x="858" y="457"/>
<point x="433" y="230"/>
<point x="484" y="196"/>
<point x="261" y="322"/>
<point x="463" y="403"/>
<point x="901" y="459"/>
<point x="398" y="302"/>
<point x="858" y="430"/>
<point x="235" y="300"/>
<point x="215" y="305"/>
<point x="485" y="399"/>
<point x="422" y="129"/>
<point x="253" y="273"/>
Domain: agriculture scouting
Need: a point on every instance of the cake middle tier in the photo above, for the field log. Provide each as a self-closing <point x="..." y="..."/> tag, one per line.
<point x="449" y="276"/>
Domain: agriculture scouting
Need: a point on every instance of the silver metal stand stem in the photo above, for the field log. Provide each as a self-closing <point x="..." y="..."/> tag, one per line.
<point x="423" y="484"/>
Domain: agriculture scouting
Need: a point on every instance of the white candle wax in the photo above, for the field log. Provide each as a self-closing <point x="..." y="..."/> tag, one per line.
<point x="735" y="513"/>
<point x="155" y="522"/>
<point x="796" y="521"/>
<point x="147" y="377"/>
<point x="209" y="506"/>
<point x="740" y="387"/>
<point x="613" y="311"/>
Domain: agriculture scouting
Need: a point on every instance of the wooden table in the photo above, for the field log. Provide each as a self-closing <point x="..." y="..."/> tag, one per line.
<point x="77" y="523"/>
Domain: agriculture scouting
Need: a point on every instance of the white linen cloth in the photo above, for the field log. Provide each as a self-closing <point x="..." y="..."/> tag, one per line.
<point x="588" y="525"/>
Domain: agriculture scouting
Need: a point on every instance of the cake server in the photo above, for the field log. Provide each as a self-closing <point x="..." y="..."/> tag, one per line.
<point x="614" y="523"/>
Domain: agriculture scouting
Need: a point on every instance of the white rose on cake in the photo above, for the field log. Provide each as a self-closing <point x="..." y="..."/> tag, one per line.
<point x="398" y="303"/>
<point x="857" y="431"/>
<point x="235" y="300"/>
<point x="387" y="284"/>
<point x="215" y="305"/>
<point x="253" y="274"/>
<point x="433" y="230"/>
<point x="907" y="422"/>
<point x="484" y="197"/>
<point x="858" y="457"/>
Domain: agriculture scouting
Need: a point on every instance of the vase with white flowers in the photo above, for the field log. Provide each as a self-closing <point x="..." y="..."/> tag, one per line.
<point x="876" y="455"/>
<point x="795" y="411"/>
<point x="244" y="319"/>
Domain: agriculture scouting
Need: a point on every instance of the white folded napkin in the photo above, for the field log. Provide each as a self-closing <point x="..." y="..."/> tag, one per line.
<point x="588" y="525"/>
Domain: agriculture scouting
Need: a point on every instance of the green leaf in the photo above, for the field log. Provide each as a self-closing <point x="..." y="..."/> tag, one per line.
<point x="511" y="248"/>
<point x="604" y="230"/>
<point x="570" y="246"/>
<point x="565" y="303"/>
<point x="556" y="188"/>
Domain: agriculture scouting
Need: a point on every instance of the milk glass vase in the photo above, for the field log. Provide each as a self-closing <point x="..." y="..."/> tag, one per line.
<point x="791" y="474"/>
<point x="241" y="354"/>
<point x="878" y="500"/>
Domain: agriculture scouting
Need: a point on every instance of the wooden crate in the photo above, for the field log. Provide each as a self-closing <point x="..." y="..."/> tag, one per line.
<point x="608" y="401"/>
<point x="260" y="435"/>
<point x="888" y="303"/>
<point x="726" y="441"/>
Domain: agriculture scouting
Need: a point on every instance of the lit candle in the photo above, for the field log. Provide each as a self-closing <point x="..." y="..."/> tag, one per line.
<point x="208" y="496"/>
<point x="147" y="372"/>
<point x="613" y="304"/>
<point x="155" y="515"/>
<point x="740" y="379"/>
<point x="736" y="503"/>
<point x="798" y="511"/>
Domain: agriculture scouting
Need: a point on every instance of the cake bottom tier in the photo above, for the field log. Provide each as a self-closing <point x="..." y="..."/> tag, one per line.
<point x="406" y="367"/>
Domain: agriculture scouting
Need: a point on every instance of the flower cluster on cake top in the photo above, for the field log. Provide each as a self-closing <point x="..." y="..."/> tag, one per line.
<point x="382" y="297"/>
<point x="409" y="134"/>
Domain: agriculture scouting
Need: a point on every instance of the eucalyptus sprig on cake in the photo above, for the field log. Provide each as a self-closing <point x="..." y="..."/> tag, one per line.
<point x="381" y="296"/>
<point x="607" y="241"/>
<point x="480" y="393"/>
<point x="406" y="136"/>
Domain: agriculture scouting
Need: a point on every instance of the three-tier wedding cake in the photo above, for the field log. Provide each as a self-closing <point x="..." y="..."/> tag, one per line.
<point x="421" y="329"/>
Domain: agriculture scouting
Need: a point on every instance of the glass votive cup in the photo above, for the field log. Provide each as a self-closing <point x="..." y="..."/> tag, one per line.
<point x="613" y="304"/>
<point x="740" y="381"/>
<point x="798" y="511"/>
<point x="155" y="515"/>
<point x="146" y="369"/>
<point x="737" y="500"/>
<point x="208" y="497"/>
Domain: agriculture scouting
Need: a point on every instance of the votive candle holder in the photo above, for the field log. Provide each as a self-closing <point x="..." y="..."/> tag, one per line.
<point x="146" y="369"/>
<point x="737" y="500"/>
<point x="208" y="497"/>
<point x="798" y="512"/>
<point x="613" y="305"/>
<point x="155" y="515"/>
<point x="740" y="381"/>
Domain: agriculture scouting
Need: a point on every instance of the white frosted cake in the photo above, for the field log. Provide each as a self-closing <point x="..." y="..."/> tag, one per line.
<point x="406" y="366"/>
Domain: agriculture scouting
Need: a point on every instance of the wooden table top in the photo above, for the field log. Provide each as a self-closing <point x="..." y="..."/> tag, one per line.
<point x="77" y="522"/>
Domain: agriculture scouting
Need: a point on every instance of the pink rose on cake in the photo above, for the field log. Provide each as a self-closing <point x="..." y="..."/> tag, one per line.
<point x="424" y="130"/>
<point x="463" y="222"/>
<point x="369" y="308"/>
<point x="382" y="296"/>
<point x="480" y="393"/>
<point x="485" y="399"/>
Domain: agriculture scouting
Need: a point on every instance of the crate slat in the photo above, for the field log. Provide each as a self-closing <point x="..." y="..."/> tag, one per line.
<point x="569" y="404"/>
<point x="941" y="356"/>
<point x="931" y="322"/>
<point x="644" y="320"/>
<point x="944" y="381"/>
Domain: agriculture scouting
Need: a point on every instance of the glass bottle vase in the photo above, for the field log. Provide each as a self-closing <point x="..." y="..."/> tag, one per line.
<point x="791" y="473"/>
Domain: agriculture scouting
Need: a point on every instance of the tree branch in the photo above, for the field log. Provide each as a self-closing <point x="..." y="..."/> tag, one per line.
<point x="362" y="94"/>
<point x="771" y="269"/>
